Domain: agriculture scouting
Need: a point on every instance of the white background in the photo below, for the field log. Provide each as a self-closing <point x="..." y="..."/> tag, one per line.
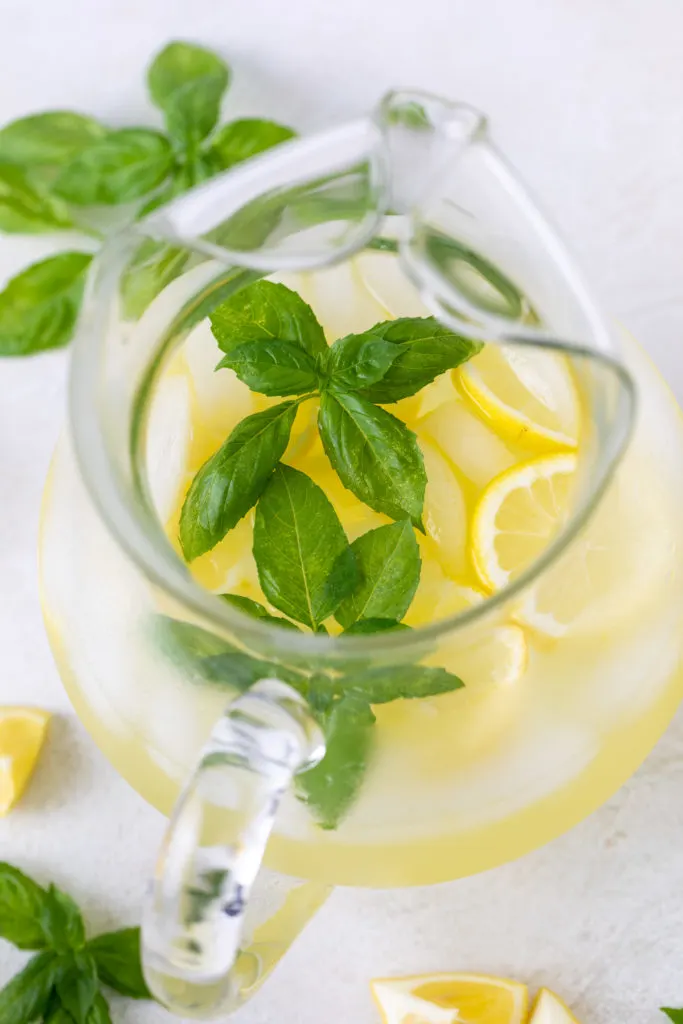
<point x="586" y="97"/>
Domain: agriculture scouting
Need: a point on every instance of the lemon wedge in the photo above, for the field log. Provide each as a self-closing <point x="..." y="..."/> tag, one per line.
<point x="22" y="734"/>
<point x="471" y="998"/>
<point x="549" y="1009"/>
<point x="528" y="395"/>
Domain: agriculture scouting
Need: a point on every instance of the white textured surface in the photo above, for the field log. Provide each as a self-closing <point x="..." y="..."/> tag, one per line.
<point x="586" y="96"/>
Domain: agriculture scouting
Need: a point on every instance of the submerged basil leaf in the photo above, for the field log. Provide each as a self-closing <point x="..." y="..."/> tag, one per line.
<point x="330" y="788"/>
<point x="375" y="454"/>
<point x="426" y="349"/>
<point x="153" y="266"/>
<point x="39" y="307"/>
<point x="265" y="311"/>
<point x="257" y="611"/>
<point x="25" y="208"/>
<point x="305" y="564"/>
<point x="363" y="626"/>
<point x="123" y="166"/>
<point x="187" y="83"/>
<point x="396" y="682"/>
<point x="388" y="559"/>
<point x="239" y="140"/>
<point x="231" y="481"/>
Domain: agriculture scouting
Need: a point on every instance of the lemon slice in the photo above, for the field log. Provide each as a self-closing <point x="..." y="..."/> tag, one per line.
<point x="444" y="511"/>
<point x="472" y="998"/>
<point x="517" y="516"/>
<point x="549" y="1009"/>
<point x="528" y="395"/>
<point x="22" y="733"/>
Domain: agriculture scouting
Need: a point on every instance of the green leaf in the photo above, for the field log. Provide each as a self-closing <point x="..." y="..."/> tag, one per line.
<point x="62" y="921"/>
<point x="272" y="367"/>
<point x="187" y="83"/>
<point x="21" y="905"/>
<point x="153" y="266"/>
<point x="426" y="349"/>
<point x="675" y="1015"/>
<point x="99" y="1011"/>
<point x="265" y="311"/>
<point x="231" y="481"/>
<point x="215" y="661"/>
<point x="330" y="788"/>
<point x="375" y="454"/>
<point x="119" y="964"/>
<point x="55" y="1012"/>
<point x="257" y="611"/>
<point x="376" y="626"/>
<point x="389" y="562"/>
<point x="77" y="986"/>
<point x="395" y="682"/>
<point x="25" y="998"/>
<point x="359" y="360"/>
<point x="25" y="208"/>
<point x="239" y="140"/>
<point x="47" y="141"/>
<point x="39" y="307"/>
<point x="305" y="564"/>
<point x="123" y="166"/>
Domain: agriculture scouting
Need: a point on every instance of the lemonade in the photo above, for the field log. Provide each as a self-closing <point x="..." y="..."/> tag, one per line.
<point x="567" y="684"/>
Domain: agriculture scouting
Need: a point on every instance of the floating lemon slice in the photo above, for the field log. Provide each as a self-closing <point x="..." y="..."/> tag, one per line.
<point x="22" y="733"/>
<point x="471" y="998"/>
<point x="607" y="575"/>
<point x="549" y="1009"/>
<point x="529" y="396"/>
<point x="518" y="515"/>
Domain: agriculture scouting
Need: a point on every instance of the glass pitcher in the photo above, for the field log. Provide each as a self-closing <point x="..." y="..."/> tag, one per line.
<point x="541" y="659"/>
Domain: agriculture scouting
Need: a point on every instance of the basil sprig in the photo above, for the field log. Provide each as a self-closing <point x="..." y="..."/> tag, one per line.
<point x="54" y="164"/>
<point x="61" y="983"/>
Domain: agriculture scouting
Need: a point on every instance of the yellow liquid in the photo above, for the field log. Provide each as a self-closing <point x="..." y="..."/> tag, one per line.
<point x="546" y="728"/>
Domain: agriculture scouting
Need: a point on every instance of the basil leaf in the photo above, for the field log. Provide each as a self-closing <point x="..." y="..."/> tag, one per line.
<point x="257" y="611"/>
<point x="214" y="660"/>
<point x="152" y="267"/>
<point x="39" y="307"/>
<point x="123" y="166"/>
<point x="118" y="962"/>
<point x="375" y="626"/>
<point x="99" y="1011"/>
<point x="389" y="562"/>
<point x="426" y="349"/>
<point x="675" y="1015"/>
<point x="21" y="905"/>
<point x="25" y="998"/>
<point x="78" y="985"/>
<point x="265" y="311"/>
<point x="230" y="483"/>
<point x="187" y="83"/>
<point x="375" y="455"/>
<point x="330" y="788"/>
<point x="407" y="682"/>
<point x="239" y="140"/>
<point x="55" y="1012"/>
<point x="62" y="921"/>
<point x="42" y="143"/>
<point x="359" y="360"/>
<point x="305" y="564"/>
<point x="27" y="209"/>
<point x="272" y="367"/>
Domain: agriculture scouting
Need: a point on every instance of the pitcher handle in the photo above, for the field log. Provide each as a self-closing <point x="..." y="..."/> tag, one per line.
<point x="192" y="929"/>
